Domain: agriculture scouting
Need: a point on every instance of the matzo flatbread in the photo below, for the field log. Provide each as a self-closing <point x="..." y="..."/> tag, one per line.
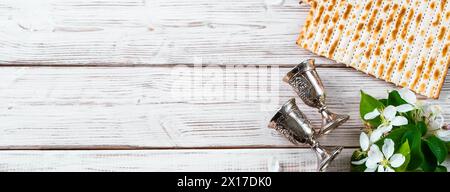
<point x="405" y="42"/>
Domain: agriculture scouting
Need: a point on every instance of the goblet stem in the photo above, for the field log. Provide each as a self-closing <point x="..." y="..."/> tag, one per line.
<point x="324" y="158"/>
<point x="331" y="120"/>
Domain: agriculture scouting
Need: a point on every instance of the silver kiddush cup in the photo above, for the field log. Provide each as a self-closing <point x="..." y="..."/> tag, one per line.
<point x="295" y="126"/>
<point x="307" y="84"/>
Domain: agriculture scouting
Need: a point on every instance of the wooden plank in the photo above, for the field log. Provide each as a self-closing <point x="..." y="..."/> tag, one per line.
<point x="230" y="160"/>
<point x="140" y="32"/>
<point x="249" y="160"/>
<point x="163" y="107"/>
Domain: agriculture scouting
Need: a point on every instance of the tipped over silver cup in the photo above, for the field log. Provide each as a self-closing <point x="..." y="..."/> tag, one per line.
<point x="307" y="84"/>
<point x="295" y="126"/>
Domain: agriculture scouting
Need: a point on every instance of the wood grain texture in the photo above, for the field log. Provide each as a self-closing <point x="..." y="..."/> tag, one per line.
<point x="141" y="32"/>
<point x="171" y="118"/>
<point x="162" y="107"/>
<point x="236" y="160"/>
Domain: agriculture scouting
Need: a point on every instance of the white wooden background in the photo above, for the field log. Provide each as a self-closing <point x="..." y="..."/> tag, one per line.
<point x="89" y="86"/>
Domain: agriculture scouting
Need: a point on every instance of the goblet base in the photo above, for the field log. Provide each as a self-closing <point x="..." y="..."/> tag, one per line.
<point x="330" y="124"/>
<point x="325" y="162"/>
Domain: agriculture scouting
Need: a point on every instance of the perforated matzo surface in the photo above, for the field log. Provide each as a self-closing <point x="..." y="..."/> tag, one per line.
<point x="405" y="42"/>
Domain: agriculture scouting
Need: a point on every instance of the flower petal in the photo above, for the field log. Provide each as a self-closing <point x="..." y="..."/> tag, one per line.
<point x="372" y="115"/>
<point x="404" y="108"/>
<point x="443" y="134"/>
<point x="435" y="122"/>
<point x="426" y="108"/>
<point x="397" y="160"/>
<point x="376" y="135"/>
<point x="388" y="169"/>
<point x="389" y="112"/>
<point x="408" y="95"/>
<point x="370" y="169"/>
<point x="370" y="163"/>
<point x="380" y="168"/>
<point x="375" y="154"/>
<point x="360" y="162"/>
<point x="399" y="121"/>
<point x="434" y="109"/>
<point x="364" y="141"/>
<point x="385" y="128"/>
<point x="388" y="148"/>
<point x="440" y="120"/>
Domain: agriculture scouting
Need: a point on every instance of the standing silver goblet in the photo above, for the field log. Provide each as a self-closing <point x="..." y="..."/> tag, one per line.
<point x="295" y="126"/>
<point x="307" y="84"/>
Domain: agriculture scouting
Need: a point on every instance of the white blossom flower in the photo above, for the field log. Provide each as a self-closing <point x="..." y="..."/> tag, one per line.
<point x="385" y="160"/>
<point x="410" y="98"/>
<point x="388" y="121"/>
<point x="365" y="143"/>
<point x="435" y="122"/>
<point x="443" y="133"/>
<point x="433" y="116"/>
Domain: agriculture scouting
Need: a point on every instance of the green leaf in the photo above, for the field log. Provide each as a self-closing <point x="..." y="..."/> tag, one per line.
<point x="430" y="162"/>
<point x="368" y="104"/>
<point x="405" y="151"/>
<point x="395" y="99"/>
<point x="356" y="156"/>
<point x="413" y="137"/>
<point x="440" y="168"/>
<point x="422" y="126"/>
<point x="437" y="147"/>
<point x="448" y="146"/>
<point x="358" y="168"/>
<point x="384" y="101"/>
<point x="396" y="136"/>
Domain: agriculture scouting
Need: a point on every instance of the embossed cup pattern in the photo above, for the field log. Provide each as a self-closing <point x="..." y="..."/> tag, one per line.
<point x="306" y="82"/>
<point x="291" y="122"/>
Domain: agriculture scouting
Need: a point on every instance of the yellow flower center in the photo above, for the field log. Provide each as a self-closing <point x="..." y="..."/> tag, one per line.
<point x="384" y="162"/>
